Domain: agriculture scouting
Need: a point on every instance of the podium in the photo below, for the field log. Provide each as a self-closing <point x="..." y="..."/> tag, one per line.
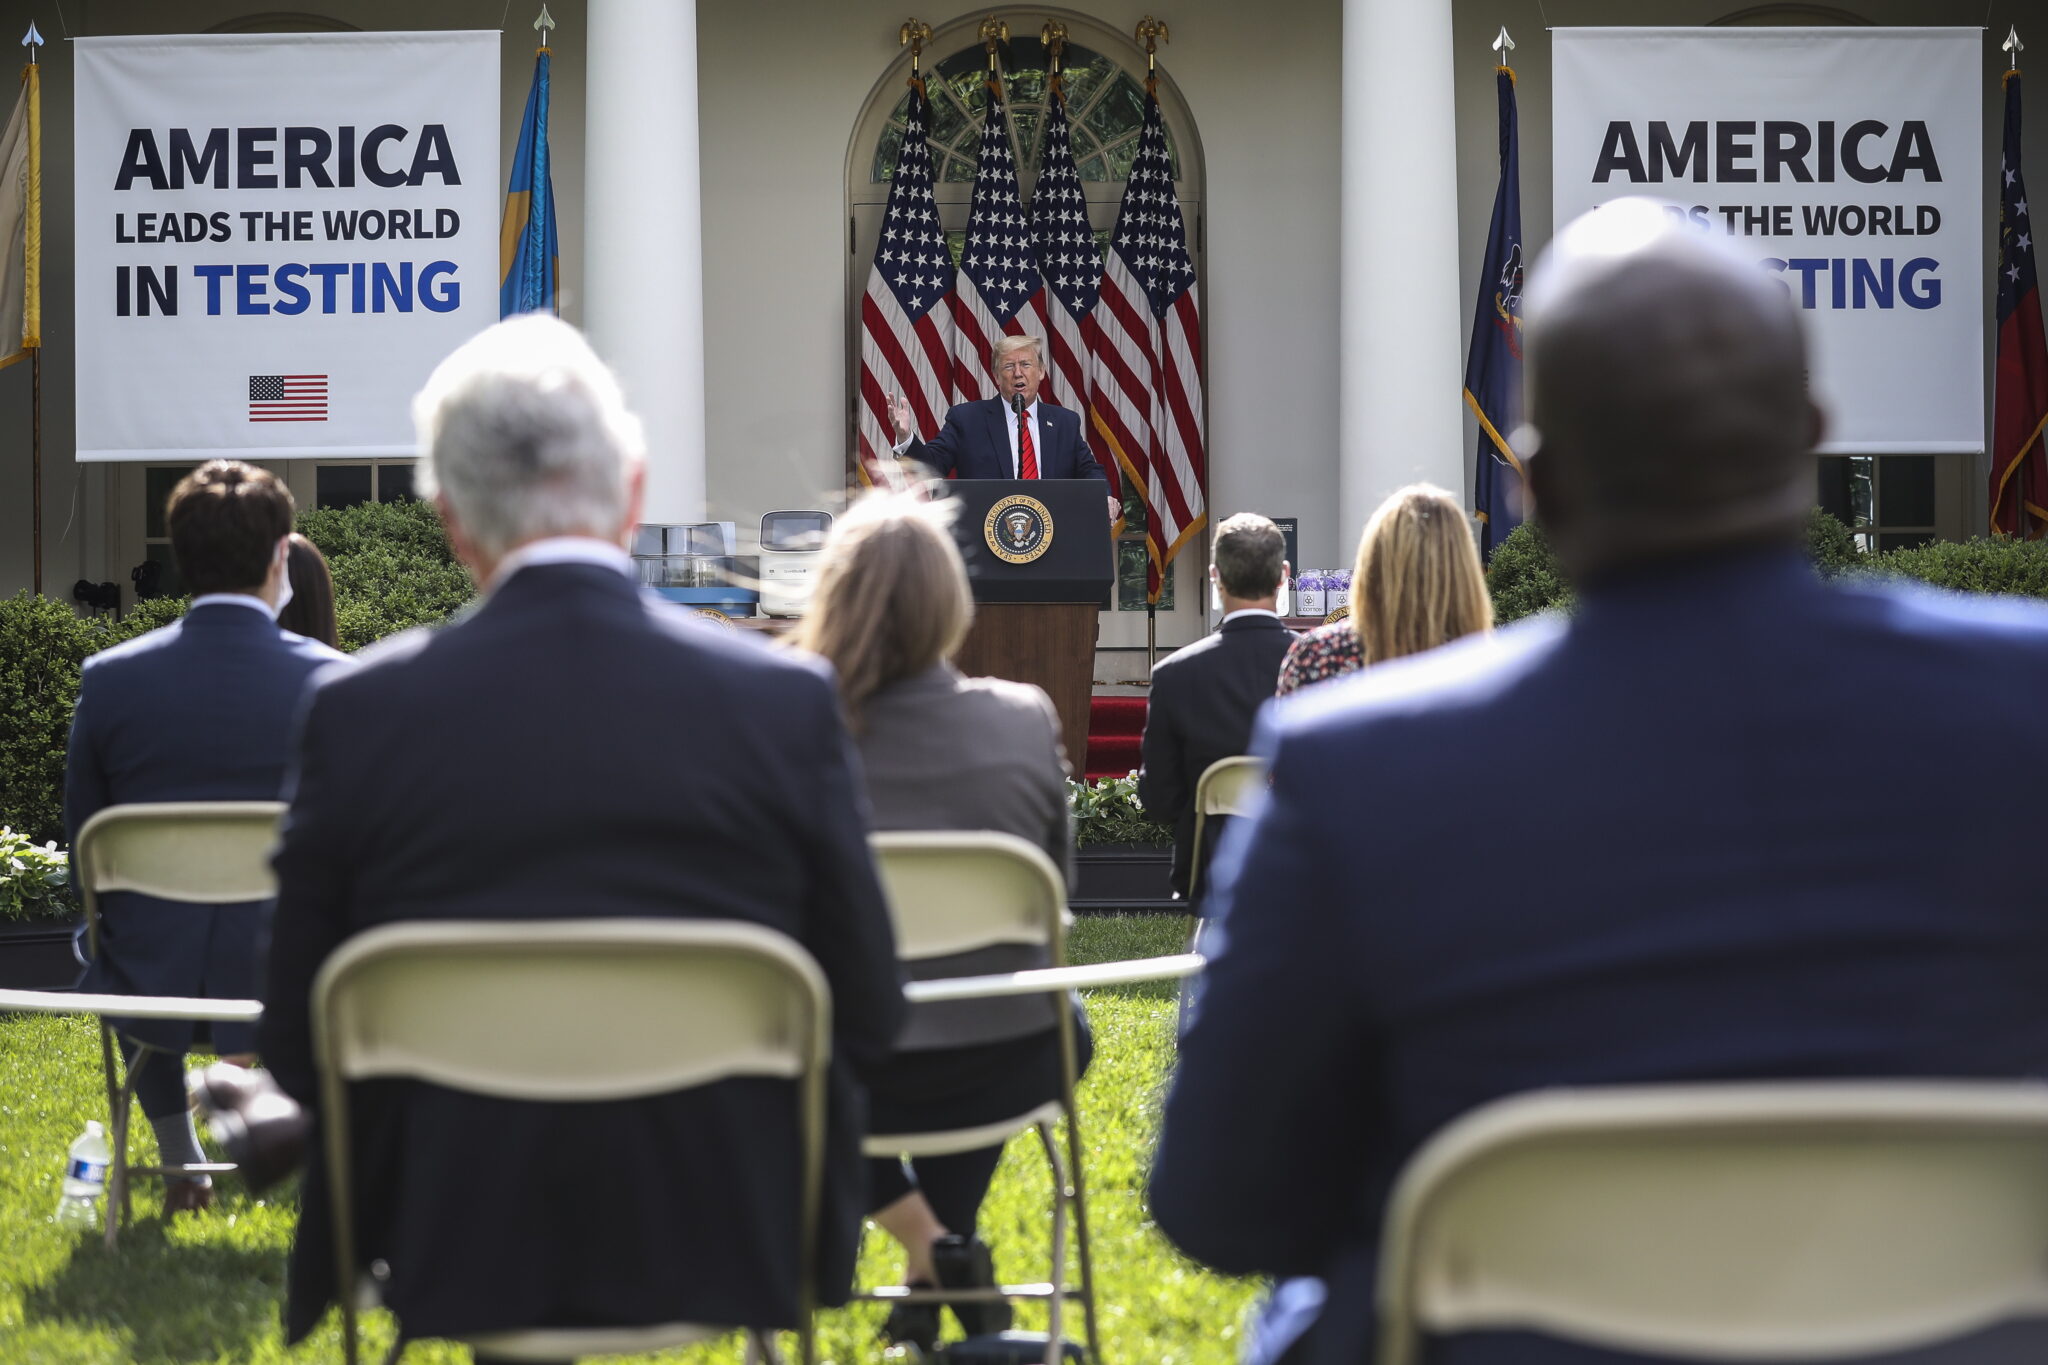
<point x="1039" y="559"/>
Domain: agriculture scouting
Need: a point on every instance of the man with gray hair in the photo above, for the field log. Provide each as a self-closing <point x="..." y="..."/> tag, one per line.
<point x="1204" y="697"/>
<point x="573" y="748"/>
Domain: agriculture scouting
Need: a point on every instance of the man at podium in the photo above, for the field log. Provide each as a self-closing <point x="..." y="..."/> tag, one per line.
<point x="1011" y="436"/>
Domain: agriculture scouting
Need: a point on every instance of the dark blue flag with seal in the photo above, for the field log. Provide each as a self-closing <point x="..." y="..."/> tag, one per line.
<point x="1493" y="369"/>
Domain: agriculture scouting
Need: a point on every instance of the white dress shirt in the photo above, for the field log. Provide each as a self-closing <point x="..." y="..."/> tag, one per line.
<point x="237" y="599"/>
<point x="564" y="550"/>
<point x="1230" y="616"/>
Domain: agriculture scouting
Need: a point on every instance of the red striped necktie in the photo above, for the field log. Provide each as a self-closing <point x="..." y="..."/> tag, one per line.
<point x="1027" y="458"/>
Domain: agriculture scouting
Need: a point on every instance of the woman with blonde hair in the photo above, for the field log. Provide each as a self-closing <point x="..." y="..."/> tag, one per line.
<point x="1417" y="585"/>
<point x="941" y="751"/>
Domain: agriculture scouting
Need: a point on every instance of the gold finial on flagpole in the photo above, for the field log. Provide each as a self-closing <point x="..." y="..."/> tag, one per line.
<point x="1152" y="32"/>
<point x="32" y="40"/>
<point x="994" y="33"/>
<point x="1054" y="36"/>
<point x="914" y="35"/>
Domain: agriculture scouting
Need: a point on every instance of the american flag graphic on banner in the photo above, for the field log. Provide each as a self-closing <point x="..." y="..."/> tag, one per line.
<point x="998" y="274"/>
<point x="287" y="397"/>
<point x="1071" y="266"/>
<point x="906" y="330"/>
<point x="1147" y="385"/>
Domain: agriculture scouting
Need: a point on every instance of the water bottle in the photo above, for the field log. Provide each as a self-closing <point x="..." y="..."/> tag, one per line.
<point x="85" y="1178"/>
<point x="1310" y="587"/>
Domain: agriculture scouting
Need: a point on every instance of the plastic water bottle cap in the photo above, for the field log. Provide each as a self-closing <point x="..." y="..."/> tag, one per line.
<point x="93" y="1129"/>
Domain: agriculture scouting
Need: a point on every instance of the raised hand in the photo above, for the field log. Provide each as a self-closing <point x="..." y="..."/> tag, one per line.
<point x="899" y="417"/>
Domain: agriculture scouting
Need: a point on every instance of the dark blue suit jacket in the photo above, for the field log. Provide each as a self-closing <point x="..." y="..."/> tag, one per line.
<point x="574" y="748"/>
<point x="200" y="710"/>
<point x="975" y="443"/>
<point x="1724" y="823"/>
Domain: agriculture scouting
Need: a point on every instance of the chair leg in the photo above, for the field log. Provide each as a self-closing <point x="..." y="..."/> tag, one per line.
<point x="1082" y="1244"/>
<point x="1056" y="1305"/>
<point x="117" y="1164"/>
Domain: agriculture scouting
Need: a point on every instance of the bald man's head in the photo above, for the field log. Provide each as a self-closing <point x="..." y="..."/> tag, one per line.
<point x="1666" y="393"/>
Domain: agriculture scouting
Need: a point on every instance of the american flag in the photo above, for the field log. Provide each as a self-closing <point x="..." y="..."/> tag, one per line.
<point x="1147" y="384"/>
<point x="998" y="274"/>
<point x="2019" y="423"/>
<point x="906" y="333"/>
<point x="1071" y="266"/>
<point x="287" y="397"/>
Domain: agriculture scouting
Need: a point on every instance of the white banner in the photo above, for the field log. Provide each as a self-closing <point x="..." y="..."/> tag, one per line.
<point x="1849" y="159"/>
<point x="278" y="237"/>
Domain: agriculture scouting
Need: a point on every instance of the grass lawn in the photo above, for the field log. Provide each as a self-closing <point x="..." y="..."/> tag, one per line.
<point x="209" y="1288"/>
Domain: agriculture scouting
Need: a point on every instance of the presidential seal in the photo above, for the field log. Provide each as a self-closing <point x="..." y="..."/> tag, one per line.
<point x="715" y="617"/>
<point x="1018" y="529"/>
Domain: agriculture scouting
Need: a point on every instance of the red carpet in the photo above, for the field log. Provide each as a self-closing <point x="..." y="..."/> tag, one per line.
<point x="1115" y="725"/>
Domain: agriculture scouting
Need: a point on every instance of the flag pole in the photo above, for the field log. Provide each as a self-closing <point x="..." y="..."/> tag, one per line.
<point x="32" y="304"/>
<point x="1151" y="32"/>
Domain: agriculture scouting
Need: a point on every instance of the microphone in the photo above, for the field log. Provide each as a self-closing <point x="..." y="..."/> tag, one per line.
<point x="1017" y="403"/>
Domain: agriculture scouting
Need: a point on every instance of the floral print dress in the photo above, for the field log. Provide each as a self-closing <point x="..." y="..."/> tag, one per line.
<point x="1324" y="653"/>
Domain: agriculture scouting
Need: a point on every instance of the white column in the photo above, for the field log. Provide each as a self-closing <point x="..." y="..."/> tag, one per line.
<point x="643" y="260"/>
<point x="1399" y="410"/>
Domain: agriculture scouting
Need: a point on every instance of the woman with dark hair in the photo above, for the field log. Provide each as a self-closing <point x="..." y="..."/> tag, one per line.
<point x="308" y="608"/>
<point x="942" y="751"/>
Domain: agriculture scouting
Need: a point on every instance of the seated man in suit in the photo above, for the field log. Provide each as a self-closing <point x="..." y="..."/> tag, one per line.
<point x="574" y="748"/>
<point x="1011" y="436"/>
<point x="1694" y="863"/>
<point x="200" y="710"/>
<point x="1204" y="697"/>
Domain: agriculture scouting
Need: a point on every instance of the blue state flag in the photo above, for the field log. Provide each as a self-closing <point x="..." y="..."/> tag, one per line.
<point x="526" y="240"/>
<point x="1493" y="370"/>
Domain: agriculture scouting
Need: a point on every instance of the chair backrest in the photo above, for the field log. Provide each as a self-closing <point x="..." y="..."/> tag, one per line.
<point x="954" y="890"/>
<point x="570" y="1010"/>
<point x="1726" y="1222"/>
<point x="1228" y="785"/>
<point x="211" y="852"/>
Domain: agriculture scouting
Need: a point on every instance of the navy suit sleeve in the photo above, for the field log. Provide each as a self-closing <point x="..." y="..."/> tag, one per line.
<point x="85" y="782"/>
<point x="314" y="868"/>
<point x="848" y="927"/>
<point x="943" y="451"/>
<point x="1163" y="787"/>
<point x="1262" y="1145"/>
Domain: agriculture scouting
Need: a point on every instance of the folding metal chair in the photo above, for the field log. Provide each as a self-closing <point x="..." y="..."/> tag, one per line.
<point x="1226" y="787"/>
<point x="951" y="891"/>
<point x="567" y="1012"/>
<point x="1811" y="1221"/>
<point x="200" y="852"/>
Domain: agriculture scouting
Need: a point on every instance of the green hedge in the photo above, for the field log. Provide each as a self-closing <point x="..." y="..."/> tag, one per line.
<point x="1524" y="578"/>
<point x="392" y="570"/>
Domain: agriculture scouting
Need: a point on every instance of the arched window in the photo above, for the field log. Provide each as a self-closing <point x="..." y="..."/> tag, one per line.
<point x="1104" y="79"/>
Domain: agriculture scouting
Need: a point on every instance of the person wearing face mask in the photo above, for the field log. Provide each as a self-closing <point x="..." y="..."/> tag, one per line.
<point x="1010" y="436"/>
<point x="201" y="710"/>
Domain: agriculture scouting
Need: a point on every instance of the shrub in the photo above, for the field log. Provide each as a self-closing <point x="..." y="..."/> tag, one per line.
<point x="1524" y="578"/>
<point x="42" y="644"/>
<point x="34" y="879"/>
<point x="1996" y="565"/>
<point x="392" y="567"/>
<point x="1107" y="811"/>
